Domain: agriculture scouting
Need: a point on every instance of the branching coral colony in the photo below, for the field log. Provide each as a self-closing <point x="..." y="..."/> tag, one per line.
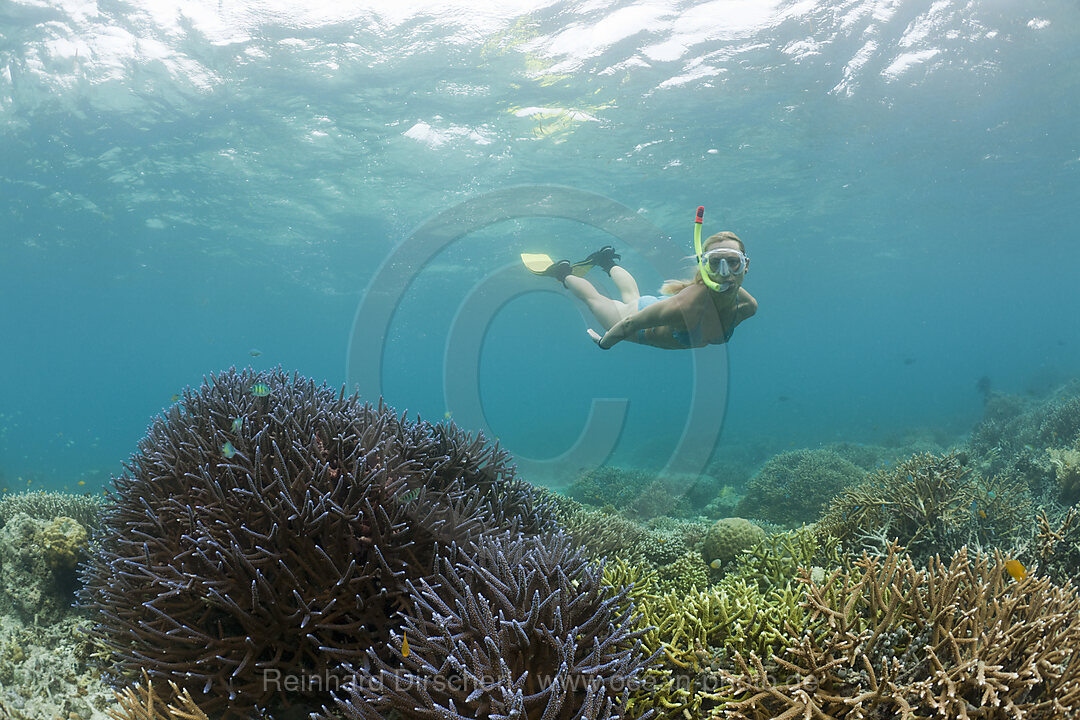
<point x="270" y="528"/>
<point x="885" y="639"/>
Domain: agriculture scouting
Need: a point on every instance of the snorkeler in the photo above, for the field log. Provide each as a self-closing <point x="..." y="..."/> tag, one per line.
<point x="703" y="310"/>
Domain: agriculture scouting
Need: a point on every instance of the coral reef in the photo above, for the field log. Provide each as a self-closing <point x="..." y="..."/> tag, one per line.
<point x="64" y="542"/>
<point x="931" y="504"/>
<point x="684" y="574"/>
<point x="87" y="510"/>
<point x="609" y="485"/>
<point x="602" y="534"/>
<point x="269" y="527"/>
<point x="723" y="504"/>
<point x="697" y="631"/>
<point x="729" y="537"/>
<point x="1066" y="464"/>
<point x="1058" y="545"/>
<point x="792" y="487"/>
<point x="141" y="702"/>
<point x="514" y="628"/>
<point x="1015" y="433"/>
<point x="641" y="494"/>
<point x="775" y="562"/>
<point x="46" y="671"/>
<point x="37" y="577"/>
<point x="886" y="639"/>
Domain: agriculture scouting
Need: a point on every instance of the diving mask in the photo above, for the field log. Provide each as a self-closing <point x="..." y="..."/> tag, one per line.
<point x="724" y="262"/>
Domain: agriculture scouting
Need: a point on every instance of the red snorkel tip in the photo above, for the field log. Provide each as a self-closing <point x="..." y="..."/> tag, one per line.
<point x="700" y="214"/>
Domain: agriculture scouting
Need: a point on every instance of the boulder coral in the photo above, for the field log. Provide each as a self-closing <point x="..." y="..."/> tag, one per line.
<point x="793" y="486"/>
<point x="728" y="537"/>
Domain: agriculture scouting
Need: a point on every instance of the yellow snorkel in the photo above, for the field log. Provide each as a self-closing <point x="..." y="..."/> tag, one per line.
<point x="709" y="282"/>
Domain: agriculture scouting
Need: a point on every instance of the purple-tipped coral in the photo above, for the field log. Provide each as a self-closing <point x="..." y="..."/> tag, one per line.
<point x="514" y="627"/>
<point x="267" y="528"/>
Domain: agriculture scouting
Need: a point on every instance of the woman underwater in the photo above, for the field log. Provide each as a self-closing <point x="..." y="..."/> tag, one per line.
<point x="704" y="310"/>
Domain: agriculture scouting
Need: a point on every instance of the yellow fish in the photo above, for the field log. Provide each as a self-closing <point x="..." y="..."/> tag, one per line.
<point x="404" y="645"/>
<point x="1016" y="569"/>
<point x="175" y="397"/>
<point x="82" y="482"/>
<point x="260" y="389"/>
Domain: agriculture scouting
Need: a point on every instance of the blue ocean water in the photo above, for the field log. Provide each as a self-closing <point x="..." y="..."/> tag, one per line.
<point x="185" y="182"/>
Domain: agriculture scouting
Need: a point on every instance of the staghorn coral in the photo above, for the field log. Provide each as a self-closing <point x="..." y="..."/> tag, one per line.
<point x="516" y="627"/>
<point x="776" y="561"/>
<point x="697" y="633"/>
<point x="683" y="574"/>
<point x="792" y="487"/>
<point x="142" y="703"/>
<point x="1058" y="545"/>
<point x="600" y="533"/>
<point x="931" y="504"/>
<point x="285" y="552"/>
<point x="952" y="641"/>
<point x="1013" y="433"/>
<point x="87" y="510"/>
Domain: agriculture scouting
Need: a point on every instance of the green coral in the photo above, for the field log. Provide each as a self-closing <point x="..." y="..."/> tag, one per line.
<point x="697" y="633"/>
<point x="64" y="541"/>
<point x="793" y="486"/>
<point x="775" y="562"/>
<point x="729" y="537"/>
<point x="686" y="573"/>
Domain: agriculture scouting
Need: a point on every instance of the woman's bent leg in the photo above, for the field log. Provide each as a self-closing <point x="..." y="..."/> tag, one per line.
<point x="607" y="311"/>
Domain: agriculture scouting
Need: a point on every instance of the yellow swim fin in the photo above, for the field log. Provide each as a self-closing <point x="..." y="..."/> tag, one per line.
<point x="537" y="262"/>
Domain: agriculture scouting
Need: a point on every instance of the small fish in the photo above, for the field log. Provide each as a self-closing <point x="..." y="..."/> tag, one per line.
<point x="175" y="397"/>
<point x="974" y="507"/>
<point x="237" y="424"/>
<point x="81" y="482"/>
<point x="982" y="514"/>
<point x="260" y="389"/>
<point x="447" y="415"/>
<point x="228" y="450"/>
<point x="715" y="564"/>
<point x="404" y="645"/>
<point x="254" y="352"/>
<point x="991" y="494"/>
<point x="1016" y="569"/>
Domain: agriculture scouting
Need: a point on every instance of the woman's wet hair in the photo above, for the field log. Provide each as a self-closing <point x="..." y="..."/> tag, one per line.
<point x="674" y="287"/>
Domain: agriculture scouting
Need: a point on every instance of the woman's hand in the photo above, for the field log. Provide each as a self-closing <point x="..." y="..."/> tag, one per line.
<point x="597" y="339"/>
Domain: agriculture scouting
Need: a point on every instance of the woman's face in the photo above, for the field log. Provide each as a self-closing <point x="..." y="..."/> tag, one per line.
<point x="725" y="260"/>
